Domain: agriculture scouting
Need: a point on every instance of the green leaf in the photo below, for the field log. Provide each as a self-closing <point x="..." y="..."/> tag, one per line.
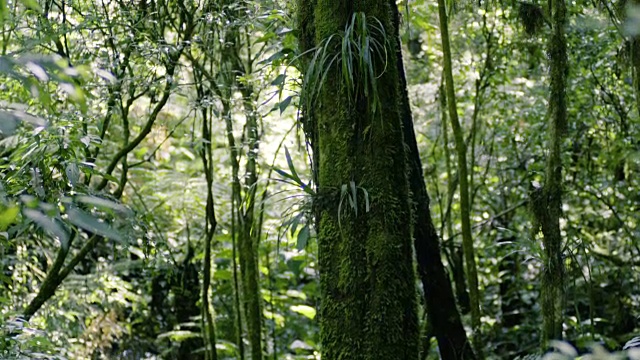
<point x="9" y="121"/>
<point x="284" y="104"/>
<point x="73" y="173"/>
<point x="354" y="196"/>
<point x="179" y="335"/>
<point x="366" y="200"/>
<point x="285" y="175"/>
<point x="110" y="177"/>
<point x="3" y="10"/>
<point x="284" y="31"/>
<point x="88" y="222"/>
<point x="223" y="275"/>
<point x="104" y="204"/>
<point x="276" y="56"/>
<point x="279" y="80"/>
<point x="305" y="310"/>
<point x="5" y="280"/>
<point x="291" y="167"/>
<point x="295" y="221"/>
<point x="76" y="95"/>
<point x="8" y="216"/>
<point x="47" y="224"/>
<point x="8" y="124"/>
<point x="32" y="4"/>
<point x="303" y="238"/>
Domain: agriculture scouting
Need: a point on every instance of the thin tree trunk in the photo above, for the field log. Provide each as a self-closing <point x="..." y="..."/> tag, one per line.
<point x="249" y="241"/>
<point x="547" y="201"/>
<point x="242" y="246"/>
<point x="51" y="281"/>
<point x="635" y="61"/>
<point x="443" y="317"/>
<point x="245" y="200"/>
<point x="461" y="149"/>
<point x="208" y="328"/>
<point x="455" y="253"/>
<point x="236" y="281"/>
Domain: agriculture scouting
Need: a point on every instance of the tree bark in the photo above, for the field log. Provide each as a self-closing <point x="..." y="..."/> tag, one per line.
<point x="547" y="201"/>
<point x="248" y="240"/>
<point x="455" y="252"/>
<point x="440" y="302"/>
<point x="368" y="293"/>
<point x="211" y="223"/>
<point x="244" y="197"/>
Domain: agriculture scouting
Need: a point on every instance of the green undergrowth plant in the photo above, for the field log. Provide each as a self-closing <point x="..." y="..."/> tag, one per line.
<point x="18" y="340"/>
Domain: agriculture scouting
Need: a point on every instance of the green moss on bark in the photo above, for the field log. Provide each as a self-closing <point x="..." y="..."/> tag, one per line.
<point x="368" y="308"/>
<point x="547" y="201"/>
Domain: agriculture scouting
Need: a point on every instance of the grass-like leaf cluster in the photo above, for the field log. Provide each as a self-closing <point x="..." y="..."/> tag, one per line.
<point x="357" y="53"/>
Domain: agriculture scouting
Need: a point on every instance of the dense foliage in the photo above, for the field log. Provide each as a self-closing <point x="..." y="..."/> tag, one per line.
<point x="158" y="184"/>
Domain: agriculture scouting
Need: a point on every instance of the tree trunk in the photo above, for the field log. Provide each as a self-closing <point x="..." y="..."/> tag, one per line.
<point x="453" y="250"/>
<point x="547" y="201"/>
<point x="368" y="292"/>
<point x="211" y="223"/>
<point x="635" y="61"/>
<point x="244" y="197"/>
<point x="461" y="149"/>
<point x="440" y="303"/>
<point x="248" y="239"/>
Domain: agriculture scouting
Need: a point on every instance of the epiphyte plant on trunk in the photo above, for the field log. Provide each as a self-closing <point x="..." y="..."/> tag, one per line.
<point x="351" y="107"/>
<point x="362" y="41"/>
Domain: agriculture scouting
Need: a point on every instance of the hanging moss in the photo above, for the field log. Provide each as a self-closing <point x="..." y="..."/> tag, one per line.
<point x="531" y="16"/>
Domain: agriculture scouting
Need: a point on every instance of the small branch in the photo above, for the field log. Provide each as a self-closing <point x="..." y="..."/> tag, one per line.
<point x="51" y="281"/>
<point x="491" y="219"/>
<point x="145" y="131"/>
<point x="615" y="260"/>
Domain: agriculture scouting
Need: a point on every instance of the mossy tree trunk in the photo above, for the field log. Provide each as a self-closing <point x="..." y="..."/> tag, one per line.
<point x="368" y="292"/>
<point x="547" y="201"/>
<point x="244" y="200"/>
<point x="461" y="150"/>
<point x="244" y="195"/>
<point x="248" y="243"/>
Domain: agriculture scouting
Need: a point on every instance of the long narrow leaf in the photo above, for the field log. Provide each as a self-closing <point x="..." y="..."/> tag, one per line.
<point x="48" y="224"/>
<point x="88" y="222"/>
